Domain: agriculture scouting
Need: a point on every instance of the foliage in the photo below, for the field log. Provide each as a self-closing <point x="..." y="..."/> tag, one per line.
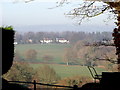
<point x="75" y="80"/>
<point x="47" y="58"/>
<point x="69" y="56"/>
<point x="31" y="54"/>
<point x="54" y="50"/>
<point x="47" y="74"/>
<point x="7" y="28"/>
<point x="89" y="55"/>
<point x="20" y="72"/>
<point x="68" y="71"/>
<point x="17" y="56"/>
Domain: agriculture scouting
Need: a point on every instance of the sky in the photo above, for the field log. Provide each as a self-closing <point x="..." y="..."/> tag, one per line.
<point x="45" y="16"/>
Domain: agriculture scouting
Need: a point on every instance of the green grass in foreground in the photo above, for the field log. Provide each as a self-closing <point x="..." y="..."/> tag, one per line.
<point x="68" y="71"/>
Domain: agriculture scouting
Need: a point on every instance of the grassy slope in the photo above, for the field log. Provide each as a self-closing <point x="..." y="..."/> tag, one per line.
<point x="68" y="71"/>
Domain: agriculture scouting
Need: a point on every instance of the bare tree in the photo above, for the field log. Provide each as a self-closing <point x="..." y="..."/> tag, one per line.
<point x="47" y="74"/>
<point x="88" y="9"/>
<point x="31" y="54"/>
<point x="70" y="56"/>
<point x="48" y="58"/>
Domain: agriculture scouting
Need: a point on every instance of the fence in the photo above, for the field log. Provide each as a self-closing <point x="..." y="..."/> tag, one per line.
<point x="35" y="83"/>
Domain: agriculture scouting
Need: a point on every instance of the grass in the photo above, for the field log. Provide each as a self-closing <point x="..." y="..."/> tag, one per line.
<point x="57" y="51"/>
<point x="54" y="50"/>
<point x="69" y="71"/>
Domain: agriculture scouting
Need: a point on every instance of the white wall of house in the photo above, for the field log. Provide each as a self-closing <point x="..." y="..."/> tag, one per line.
<point x="59" y="40"/>
<point x="46" y="41"/>
<point x="63" y="41"/>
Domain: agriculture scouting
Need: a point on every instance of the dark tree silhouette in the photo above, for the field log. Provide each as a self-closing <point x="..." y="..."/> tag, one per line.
<point x="7" y="57"/>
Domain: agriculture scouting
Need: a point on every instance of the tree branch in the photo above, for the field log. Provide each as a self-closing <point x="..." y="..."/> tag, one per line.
<point x="107" y="59"/>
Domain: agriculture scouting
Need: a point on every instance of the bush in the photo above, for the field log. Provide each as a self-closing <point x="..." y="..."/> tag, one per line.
<point x="47" y="58"/>
<point x="31" y="54"/>
<point x="7" y="28"/>
<point x="75" y="80"/>
<point x="20" y="72"/>
<point x="47" y="74"/>
<point x="17" y="56"/>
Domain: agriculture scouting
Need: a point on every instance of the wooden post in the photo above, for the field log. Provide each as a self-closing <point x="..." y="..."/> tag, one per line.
<point x="34" y="85"/>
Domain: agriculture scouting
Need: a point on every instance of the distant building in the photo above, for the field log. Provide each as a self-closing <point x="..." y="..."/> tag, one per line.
<point x="108" y="42"/>
<point x="112" y="41"/>
<point x="15" y="43"/>
<point x="30" y="40"/>
<point x="46" y="40"/>
<point x="62" y="40"/>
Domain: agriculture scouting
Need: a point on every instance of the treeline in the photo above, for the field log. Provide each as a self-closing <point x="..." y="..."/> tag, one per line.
<point x="90" y="55"/>
<point x="72" y="36"/>
<point x="24" y="72"/>
<point x="43" y="74"/>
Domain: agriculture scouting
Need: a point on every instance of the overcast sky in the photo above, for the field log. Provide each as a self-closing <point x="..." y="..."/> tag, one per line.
<point x="37" y="16"/>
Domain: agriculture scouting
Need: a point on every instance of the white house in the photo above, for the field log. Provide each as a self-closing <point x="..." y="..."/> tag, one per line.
<point x="46" y="40"/>
<point x="62" y="40"/>
<point x="30" y="40"/>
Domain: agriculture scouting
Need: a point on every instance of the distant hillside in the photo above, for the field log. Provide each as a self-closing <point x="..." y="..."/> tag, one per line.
<point x="62" y="28"/>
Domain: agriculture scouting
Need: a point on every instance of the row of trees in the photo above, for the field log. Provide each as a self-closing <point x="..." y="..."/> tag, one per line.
<point x="24" y="72"/>
<point x="32" y="55"/>
<point x="43" y="74"/>
<point x="72" y="36"/>
<point x="90" y="55"/>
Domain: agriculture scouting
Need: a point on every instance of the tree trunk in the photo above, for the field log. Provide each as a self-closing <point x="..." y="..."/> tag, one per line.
<point x="118" y="24"/>
<point x="119" y="62"/>
<point x="116" y="33"/>
<point x="67" y="63"/>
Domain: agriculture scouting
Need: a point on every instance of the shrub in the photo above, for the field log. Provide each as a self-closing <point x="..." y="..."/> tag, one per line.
<point x="47" y="74"/>
<point x="47" y="58"/>
<point x="31" y="54"/>
<point x="75" y="80"/>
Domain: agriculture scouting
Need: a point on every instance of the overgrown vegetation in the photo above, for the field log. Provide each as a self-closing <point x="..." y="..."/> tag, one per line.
<point x="47" y="74"/>
<point x="7" y="27"/>
<point x="31" y="54"/>
<point x="20" y="72"/>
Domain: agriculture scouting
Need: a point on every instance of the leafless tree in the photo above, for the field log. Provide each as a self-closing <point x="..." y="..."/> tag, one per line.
<point x="88" y="9"/>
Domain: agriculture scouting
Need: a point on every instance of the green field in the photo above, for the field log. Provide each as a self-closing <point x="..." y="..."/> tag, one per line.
<point x="54" y="50"/>
<point x="57" y="51"/>
<point x="70" y="70"/>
